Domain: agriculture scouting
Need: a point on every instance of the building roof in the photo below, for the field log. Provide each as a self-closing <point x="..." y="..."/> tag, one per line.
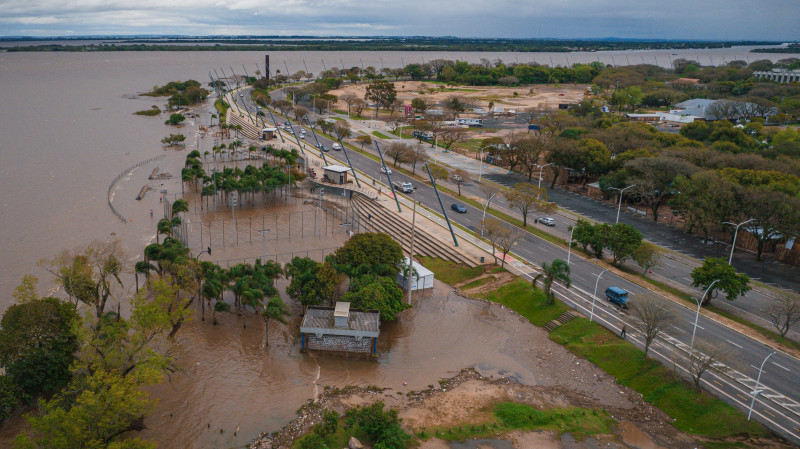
<point x="421" y="271"/>
<point x="695" y="103"/>
<point x="336" y="168"/>
<point x="319" y="320"/>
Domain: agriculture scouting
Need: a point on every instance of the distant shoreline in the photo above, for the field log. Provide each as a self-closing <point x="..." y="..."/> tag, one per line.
<point x="273" y="44"/>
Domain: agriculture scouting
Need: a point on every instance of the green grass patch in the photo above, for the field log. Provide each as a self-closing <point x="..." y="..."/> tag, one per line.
<point x="508" y="416"/>
<point x="149" y="112"/>
<point x="222" y="109"/>
<point x="380" y="135"/>
<point x="449" y="272"/>
<point x="696" y="413"/>
<point x="520" y="296"/>
<point x="478" y="282"/>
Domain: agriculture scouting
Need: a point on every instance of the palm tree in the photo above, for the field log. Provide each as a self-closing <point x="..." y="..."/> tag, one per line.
<point x="142" y="267"/>
<point x="164" y="227"/>
<point x="212" y="289"/>
<point x="274" y="309"/>
<point x="219" y="306"/>
<point x="557" y="271"/>
<point x="179" y="206"/>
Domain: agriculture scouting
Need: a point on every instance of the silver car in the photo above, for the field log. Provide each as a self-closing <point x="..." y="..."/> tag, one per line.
<point x="547" y="221"/>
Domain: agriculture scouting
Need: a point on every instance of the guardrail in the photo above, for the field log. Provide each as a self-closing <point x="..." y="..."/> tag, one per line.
<point x="109" y="198"/>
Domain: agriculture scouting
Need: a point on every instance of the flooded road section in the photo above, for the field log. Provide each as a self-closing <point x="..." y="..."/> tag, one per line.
<point x="231" y="381"/>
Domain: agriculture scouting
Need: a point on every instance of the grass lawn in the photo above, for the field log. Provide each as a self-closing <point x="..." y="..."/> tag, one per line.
<point x="695" y="413"/>
<point x="449" y="272"/>
<point x="520" y="296"/>
<point x="380" y="135"/>
<point x="478" y="282"/>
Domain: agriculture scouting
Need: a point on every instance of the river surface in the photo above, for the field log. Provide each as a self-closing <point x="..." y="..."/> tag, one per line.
<point x="67" y="131"/>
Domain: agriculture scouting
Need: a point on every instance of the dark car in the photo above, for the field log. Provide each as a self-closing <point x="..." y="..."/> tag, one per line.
<point x="460" y="208"/>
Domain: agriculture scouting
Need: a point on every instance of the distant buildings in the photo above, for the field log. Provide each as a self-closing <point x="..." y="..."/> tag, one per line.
<point x="779" y="75"/>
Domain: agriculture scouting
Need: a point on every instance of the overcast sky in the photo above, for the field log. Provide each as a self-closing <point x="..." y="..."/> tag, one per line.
<point x="774" y="20"/>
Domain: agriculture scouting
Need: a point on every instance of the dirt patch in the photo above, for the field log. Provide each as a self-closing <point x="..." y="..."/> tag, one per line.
<point x="539" y="440"/>
<point x="497" y="280"/>
<point x="528" y="96"/>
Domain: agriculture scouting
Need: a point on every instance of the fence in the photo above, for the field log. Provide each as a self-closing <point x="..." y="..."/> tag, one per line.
<point x="281" y="258"/>
<point x="119" y="176"/>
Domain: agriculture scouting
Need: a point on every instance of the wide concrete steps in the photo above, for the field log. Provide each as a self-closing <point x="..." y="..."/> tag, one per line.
<point x="248" y="129"/>
<point x="374" y="217"/>
<point x="564" y="318"/>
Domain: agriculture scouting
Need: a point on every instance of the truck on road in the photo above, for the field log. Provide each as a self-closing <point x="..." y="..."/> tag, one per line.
<point x="405" y="187"/>
<point x="618" y="296"/>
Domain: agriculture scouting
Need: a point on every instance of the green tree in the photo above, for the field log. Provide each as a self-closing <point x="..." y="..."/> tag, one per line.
<point x="173" y="139"/>
<point x="557" y="271"/>
<point x="373" y="424"/>
<point x="376" y="253"/>
<point x="304" y="286"/>
<point x="274" y="309"/>
<point x="382" y="92"/>
<point x="372" y="292"/>
<point x="419" y="104"/>
<point x="330" y="423"/>
<point x="729" y="281"/>
<point x="653" y="177"/>
<point x="647" y="256"/>
<point x="623" y="240"/>
<point x="175" y="119"/>
<point x="37" y="344"/>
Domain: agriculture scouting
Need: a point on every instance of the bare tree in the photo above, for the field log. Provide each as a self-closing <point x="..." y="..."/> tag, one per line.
<point x="488" y="191"/>
<point x="398" y="151"/>
<point x="507" y="236"/>
<point x="416" y="155"/>
<point x="89" y="277"/>
<point x="784" y="312"/>
<point x="358" y="106"/>
<point x="458" y="177"/>
<point x="343" y="128"/>
<point x="300" y="112"/>
<point x="703" y="357"/>
<point x="529" y="149"/>
<point x="451" y="135"/>
<point x="724" y="110"/>
<point x="349" y="98"/>
<point x="394" y="106"/>
<point x="364" y="139"/>
<point x="394" y="123"/>
<point x="492" y="228"/>
<point x="650" y="319"/>
<point x="528" y="198"/>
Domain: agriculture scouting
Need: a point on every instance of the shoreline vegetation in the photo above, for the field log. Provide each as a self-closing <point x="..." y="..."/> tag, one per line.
<point x="268" y="43"/>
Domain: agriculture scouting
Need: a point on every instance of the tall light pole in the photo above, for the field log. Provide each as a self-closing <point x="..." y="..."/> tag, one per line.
<point x="697" y="315"/>
<point x="594" y="295"/>
<point x="619" y="206"/>
<point x="484" y="211"/>
<point x="735" y="233"/>
<point x="756" y="391"/>
<point x="569" y="245"/>
<point x="263" y="232"/>
<point x="411" y="251"/>
<point x="541" y="167"/>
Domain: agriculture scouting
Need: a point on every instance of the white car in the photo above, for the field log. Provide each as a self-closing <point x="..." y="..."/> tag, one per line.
<point x="337" y="147"/>
<point x="547" y="221"/>
<point x="386" y="170"/>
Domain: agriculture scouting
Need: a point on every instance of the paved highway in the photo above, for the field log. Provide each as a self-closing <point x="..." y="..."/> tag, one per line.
<point x="778" y="406"/>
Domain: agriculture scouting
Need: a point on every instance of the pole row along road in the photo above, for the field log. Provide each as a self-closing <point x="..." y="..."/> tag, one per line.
<point x="778" y="406"/>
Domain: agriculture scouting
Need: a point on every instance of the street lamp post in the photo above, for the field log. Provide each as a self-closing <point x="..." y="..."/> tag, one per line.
<point x="541" y="167"/>
<point x="594" y="295"/>
<point x="569" y="245"/>
<point x="619" y="206"/>
<point x="697" y="315"/>
<point x="735" y="233"/>
<point x="484" y="211"/>
<point x="756" y="391"/>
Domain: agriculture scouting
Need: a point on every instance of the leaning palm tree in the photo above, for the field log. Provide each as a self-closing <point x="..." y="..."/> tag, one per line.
<point x="557" y="271"/>
<point x="179" y="206"/>
<point x="164" y="227"/>
<point x="274" y="309"/>
<point x="142" y="267"/>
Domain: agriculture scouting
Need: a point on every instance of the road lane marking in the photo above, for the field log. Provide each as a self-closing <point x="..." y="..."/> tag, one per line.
<point x="770" y="414"/>
<point x="743" y="397"/>
<point x="781" y="366"/>
<point x="738" y="346"/>
<point x="698" y="326"/>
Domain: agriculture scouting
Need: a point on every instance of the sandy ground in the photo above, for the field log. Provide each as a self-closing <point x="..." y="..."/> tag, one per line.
<point x="529" y="96"/>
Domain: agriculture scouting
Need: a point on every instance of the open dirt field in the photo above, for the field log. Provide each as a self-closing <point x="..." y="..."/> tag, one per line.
<point x="527" y="97"/>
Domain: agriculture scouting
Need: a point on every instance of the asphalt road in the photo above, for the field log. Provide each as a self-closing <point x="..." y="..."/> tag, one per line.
<point x="778" y="406"/>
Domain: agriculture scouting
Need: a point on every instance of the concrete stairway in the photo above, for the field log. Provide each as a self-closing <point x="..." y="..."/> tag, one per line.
<point x="375" y="218"/>
<point x="564" y="318"/>
<point x="248" y="129"/>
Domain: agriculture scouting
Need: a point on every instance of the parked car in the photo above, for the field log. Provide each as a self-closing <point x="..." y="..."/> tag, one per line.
<point x="337" y="147"/>
<point x="386" y="170"/>
<point x="547" y="221"/>
<point x="460" y="208"/>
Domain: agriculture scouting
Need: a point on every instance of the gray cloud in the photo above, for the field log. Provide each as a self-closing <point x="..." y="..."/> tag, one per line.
<point x="678" y="19"/>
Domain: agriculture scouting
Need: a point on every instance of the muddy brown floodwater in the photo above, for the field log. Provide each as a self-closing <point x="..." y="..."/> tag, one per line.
<point x="232" y="382"/>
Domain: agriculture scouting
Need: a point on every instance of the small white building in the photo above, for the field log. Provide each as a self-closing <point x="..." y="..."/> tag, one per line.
<point x="337" y="174"/>
<point x="421" y="277"/>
